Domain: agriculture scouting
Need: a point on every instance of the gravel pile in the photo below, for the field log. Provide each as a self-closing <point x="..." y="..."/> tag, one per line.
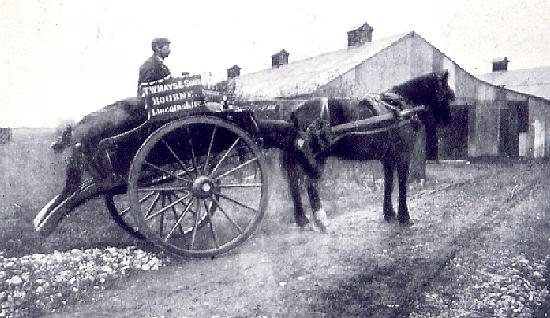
<point x="507" y="286"/>
<point x="39" y="283"/>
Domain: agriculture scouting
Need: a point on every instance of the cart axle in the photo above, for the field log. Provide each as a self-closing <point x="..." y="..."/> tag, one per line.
<point x="203" y="187"/>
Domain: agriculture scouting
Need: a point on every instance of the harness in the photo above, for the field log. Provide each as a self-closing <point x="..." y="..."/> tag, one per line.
<point x="314" y="143"/>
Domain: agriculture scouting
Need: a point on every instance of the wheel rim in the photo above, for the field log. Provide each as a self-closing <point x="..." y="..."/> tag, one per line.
<point x="208" y="191"/>
<point x="119" y="208"/>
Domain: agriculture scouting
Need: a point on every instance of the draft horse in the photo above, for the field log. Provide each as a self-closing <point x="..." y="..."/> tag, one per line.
<point x="393" y="147"/>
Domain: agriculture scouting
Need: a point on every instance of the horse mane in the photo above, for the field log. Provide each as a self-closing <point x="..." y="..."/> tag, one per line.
<point x="419" y="89"/>
<point x="431" y="90"/>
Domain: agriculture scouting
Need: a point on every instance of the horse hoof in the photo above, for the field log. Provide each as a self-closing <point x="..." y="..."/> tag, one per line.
<point x="406" y="223"/>
<point x="323" y="227"/>
<point x="321" y="221"/>
<point x="302" y="221"/>
<point x="390" y="218"/>
<point x="306" y="228"/>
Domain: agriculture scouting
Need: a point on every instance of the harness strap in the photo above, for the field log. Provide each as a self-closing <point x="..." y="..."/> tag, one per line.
<point x="388" y="128"/>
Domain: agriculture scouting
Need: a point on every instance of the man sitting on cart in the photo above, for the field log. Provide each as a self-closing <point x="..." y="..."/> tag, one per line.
<point x="154" y="69"/>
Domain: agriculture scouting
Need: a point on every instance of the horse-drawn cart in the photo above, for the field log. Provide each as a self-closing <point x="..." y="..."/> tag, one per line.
<point x="193" y="179"/>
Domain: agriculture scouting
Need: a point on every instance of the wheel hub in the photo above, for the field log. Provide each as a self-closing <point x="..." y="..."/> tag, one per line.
<point x="203" y="187"/>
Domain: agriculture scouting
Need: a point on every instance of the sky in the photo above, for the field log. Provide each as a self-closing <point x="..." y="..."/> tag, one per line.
<point x="62" y="59"/>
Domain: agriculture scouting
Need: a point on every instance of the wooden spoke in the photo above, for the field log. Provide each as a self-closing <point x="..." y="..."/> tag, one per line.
<point x="165" y="171"/>
<point x="186" y="192"/>
<point x="150" y="216"/>
<point x="161" y="223"/>
<point x="173" y="154"/>
<point x="178" y="222"/>
<point x="236" y="202"/>
<point x="164" y="188"/>
<point x="212" y="230"/>
<point x="224" y="156"/>
<point x="153" y="204"/>
<point x="140" y="201"/>
<point x="209" y="150"/>
<point x="193" y="157"/>
<point x="240" y="185"/>
<point x="228" y="216"/>
<point x="169" y="196"/>
<point x="236" y="168"/>
<point x="197" y="213"/>
<point x="125" y="210"/>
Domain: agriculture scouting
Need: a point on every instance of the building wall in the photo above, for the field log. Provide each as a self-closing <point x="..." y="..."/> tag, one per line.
<point x="539" y="121"/>
<point x="545" y="105"/>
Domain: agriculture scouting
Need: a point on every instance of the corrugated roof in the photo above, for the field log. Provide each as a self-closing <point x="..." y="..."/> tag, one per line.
<point x="534" y="81"/>
<point x="306" y="76"/>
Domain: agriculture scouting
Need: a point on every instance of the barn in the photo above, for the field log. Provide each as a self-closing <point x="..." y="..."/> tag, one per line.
<point x="490" y="119"/>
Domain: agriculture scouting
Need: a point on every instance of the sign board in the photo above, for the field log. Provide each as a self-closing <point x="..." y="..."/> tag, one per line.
<point x="172" y="95"/>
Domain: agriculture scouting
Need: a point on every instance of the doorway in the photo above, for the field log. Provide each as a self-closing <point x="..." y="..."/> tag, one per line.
<point x="453" y="139"/>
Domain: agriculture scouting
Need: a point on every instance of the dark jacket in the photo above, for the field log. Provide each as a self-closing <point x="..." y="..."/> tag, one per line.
<point x="152" y="70"/>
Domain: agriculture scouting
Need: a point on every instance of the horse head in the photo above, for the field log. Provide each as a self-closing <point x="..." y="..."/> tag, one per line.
<point x="431" y="90"/>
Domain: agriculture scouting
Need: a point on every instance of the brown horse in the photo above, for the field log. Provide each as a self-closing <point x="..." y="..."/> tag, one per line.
<point x="393" y="147"/>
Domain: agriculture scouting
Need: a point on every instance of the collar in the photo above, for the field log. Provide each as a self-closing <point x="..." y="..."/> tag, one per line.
<point x="158" y="58"/>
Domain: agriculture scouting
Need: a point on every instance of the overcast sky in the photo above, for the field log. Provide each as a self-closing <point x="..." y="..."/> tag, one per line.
<point x="62" y="59"/>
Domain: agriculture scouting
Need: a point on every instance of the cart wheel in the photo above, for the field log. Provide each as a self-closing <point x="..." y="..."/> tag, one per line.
<point x="198" y="187"/>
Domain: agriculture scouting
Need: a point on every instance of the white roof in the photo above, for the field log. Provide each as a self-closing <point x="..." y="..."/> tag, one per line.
<point x="533" y="81"/>
<point x="306" y="76"/>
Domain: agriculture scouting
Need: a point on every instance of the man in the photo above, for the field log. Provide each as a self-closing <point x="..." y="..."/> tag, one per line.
<point x="154" y="69"/>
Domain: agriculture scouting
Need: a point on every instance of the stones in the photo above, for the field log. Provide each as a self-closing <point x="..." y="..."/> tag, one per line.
<point x="505" y="284"/>
<point x="15" y="281"/>
<point x="45" y="282"/>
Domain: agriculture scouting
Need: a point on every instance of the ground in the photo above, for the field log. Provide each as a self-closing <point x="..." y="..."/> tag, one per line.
<point x="478" y="248"/>
<point x="491" y="226"/>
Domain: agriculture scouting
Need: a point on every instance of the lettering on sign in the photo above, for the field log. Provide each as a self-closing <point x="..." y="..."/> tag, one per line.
<point x="172" y="95"/>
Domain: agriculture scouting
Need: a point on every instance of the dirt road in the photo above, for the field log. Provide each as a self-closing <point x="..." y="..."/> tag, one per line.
<point x="470" y="231"/>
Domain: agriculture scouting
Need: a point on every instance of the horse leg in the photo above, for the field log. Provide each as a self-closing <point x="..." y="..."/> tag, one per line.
<point x="389" y="213"/>
<point x="403" y="172"/>
<point x="73" y="177"/>
<point x="293" y="175"/>
<point x="74" y="171"/>
<point x="319" y="215"/>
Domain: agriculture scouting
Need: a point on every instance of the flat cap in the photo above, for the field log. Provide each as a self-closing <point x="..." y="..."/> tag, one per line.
<point x="160" y="41"/>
